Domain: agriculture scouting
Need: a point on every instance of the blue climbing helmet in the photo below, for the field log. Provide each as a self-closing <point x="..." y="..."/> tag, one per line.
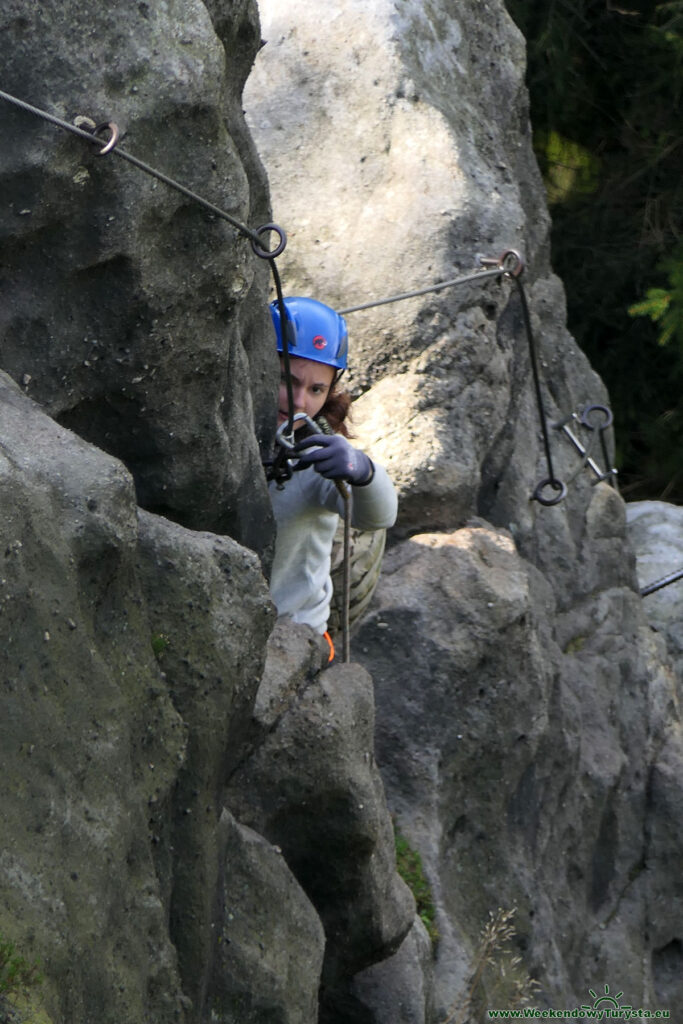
<point x="314" y="331"/>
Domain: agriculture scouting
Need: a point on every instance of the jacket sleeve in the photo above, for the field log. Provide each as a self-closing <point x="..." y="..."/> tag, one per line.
<point x="374" y="505"/>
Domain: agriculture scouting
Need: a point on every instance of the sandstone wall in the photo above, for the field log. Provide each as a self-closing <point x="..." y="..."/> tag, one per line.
<point x="527" y="717"/>
<point x="132" y="315"/>
<point x="193" y="825"/>
<point x="139" y="385"/>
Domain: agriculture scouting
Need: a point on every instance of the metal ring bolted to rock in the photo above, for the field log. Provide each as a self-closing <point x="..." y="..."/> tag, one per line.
<point x="270" y="254"/>
<point x="585" y="421"/>
<point x="511" y="262"/>
<point x="113" y="136"/>
<point x="557" y="485"/>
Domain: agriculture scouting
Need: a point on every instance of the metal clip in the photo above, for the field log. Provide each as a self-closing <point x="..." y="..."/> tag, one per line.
<point x="287" y="440"/>
<point x="113" y="136"/>
<point x="585" y="421"/>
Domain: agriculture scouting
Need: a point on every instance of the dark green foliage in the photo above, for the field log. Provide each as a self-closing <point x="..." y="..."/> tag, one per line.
<point x="606" y="82"/>
<point x="409" y="866"/>
<point x="664" y="306"/>
<point x="17" y="975"/>
<point x="159" y="644"/>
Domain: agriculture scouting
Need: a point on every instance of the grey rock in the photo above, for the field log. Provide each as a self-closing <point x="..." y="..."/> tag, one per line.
<point x="310" y="786"/>
<point x="269" y="941"/>
<point x="413" y="155"/>
<point x="523" y="703"/>
<point x="209" y="617"/>
<point x="528" y="723"/>
<point x="126" y="308"/>
<point x="90" y="741"/>
<point x="655" y="529"/>
<point x="516" y="743"/>
<point x="397" y="991"/>
<point x="133" y="649"/>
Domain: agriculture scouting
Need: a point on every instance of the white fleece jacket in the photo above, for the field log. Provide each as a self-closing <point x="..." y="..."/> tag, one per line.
<point x="307" y="511"/>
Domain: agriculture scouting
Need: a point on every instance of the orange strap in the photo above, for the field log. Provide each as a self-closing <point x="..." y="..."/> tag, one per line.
<point x="329" y="640"/>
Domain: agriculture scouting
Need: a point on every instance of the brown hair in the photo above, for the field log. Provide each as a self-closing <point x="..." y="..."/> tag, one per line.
<point x="336" y="410"/>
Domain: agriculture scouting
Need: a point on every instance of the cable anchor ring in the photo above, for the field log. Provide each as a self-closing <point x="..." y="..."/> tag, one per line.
<point x="113" y="136"/>
<point x="557" y="485"/>
<point x="607" y="413"/>
<point x="270" y="254"/>
<point x="511" y="263"/>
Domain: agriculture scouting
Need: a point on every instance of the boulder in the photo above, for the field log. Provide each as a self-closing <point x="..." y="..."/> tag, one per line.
<point x="311" y="787"/>
<point x="655" y="530"/>
<point x="209" y="618"/>
<point x="518" y="745"/>
<point x="269" y="941"/>
<point x="137" y="318"/>
<point x="523" y="702"/>
<point x="397" y="991"/>
<point x="90" y="742"/>
<point x="133" y="649"/>
<point x="398" y="148"/>
<point x="527" y="717"/>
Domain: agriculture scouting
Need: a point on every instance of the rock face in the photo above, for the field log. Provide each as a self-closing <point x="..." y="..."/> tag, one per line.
<point x="136" y="318"/>
<point x="528" y="726"/>
<point x="519" y="748"/>
<point x="107" y="750"/>
<point x="311" y="787"/>
<point x="270" y="942"/>
<point x="193" y="826"/>
<point x="655" y="530"/>
<point x="133" y="643"/>
<point x="134" y="650"/>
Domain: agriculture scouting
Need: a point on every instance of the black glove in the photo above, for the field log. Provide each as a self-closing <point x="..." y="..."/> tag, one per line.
<point x="334" y="458"/>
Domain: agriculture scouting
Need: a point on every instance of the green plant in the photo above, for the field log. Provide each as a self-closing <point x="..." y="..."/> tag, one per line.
<point x="664" y="306"/>
<point x="409" y="866"/>
<point x="17" y="974"/>
<point x="159" y="644"/>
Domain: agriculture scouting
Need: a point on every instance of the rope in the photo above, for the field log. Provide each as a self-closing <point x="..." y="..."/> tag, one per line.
<point x="111" y="146"/>
<point x="661" y="583"/>
<point x="480" y="275"/>
<point x="551" y="480"/>
<point x="345" y="492"/>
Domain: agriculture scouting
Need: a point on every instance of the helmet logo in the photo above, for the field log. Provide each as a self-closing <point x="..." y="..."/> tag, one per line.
<point x="319" y="342"/>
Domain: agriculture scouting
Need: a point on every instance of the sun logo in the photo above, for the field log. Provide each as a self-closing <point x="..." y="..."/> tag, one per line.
<point x="606" y="999"/>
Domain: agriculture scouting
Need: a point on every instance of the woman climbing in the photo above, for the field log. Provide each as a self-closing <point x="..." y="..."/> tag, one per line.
<point x="308" y="505"/>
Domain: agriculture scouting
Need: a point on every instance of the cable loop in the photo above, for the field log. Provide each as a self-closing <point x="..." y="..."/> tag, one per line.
<point x="270" y="254"/>
<point x="557" y="485"/>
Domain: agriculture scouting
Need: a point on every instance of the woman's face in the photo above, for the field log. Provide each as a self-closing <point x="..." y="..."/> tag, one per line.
<point x="311" y="383"/>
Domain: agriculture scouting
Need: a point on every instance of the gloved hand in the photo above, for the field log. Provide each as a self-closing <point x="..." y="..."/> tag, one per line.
<point x="334" y="458"/>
